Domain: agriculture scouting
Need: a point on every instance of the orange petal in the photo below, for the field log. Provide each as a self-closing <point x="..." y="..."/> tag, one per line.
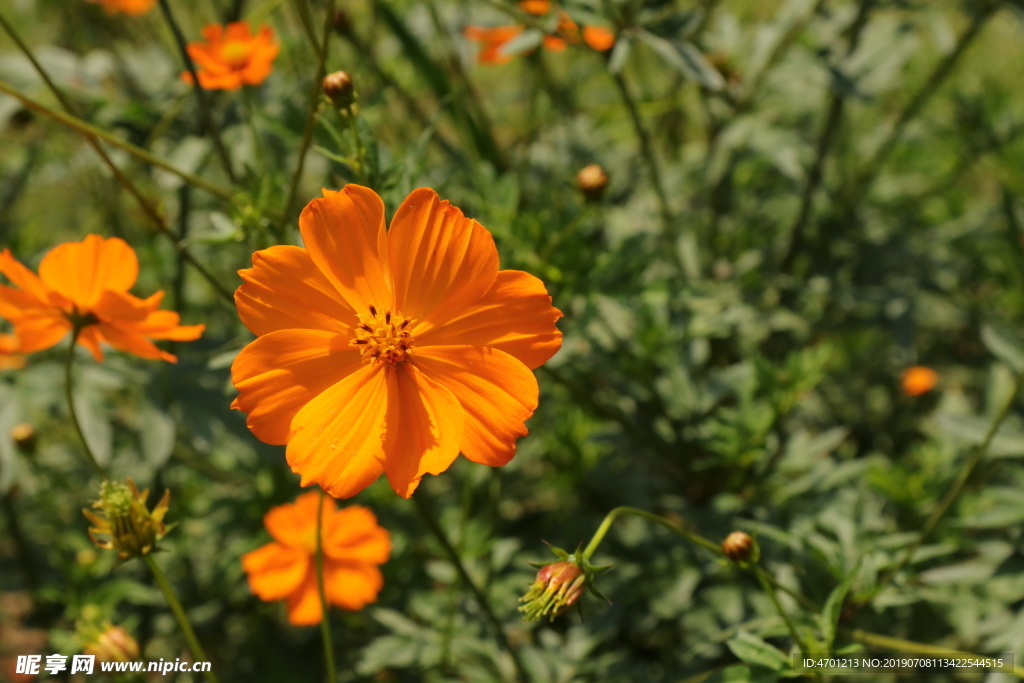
<point x="17" y="303"/>
<point x="90" y="338"/>
<point x="344" y="233"/>
<point x="238" y="30"/>
<point x="515" y="316"/>
<point x="231" y="80"/>
<point x="284" y="290"/>
<point x="212" y="33"/>
<point x="554" y="44"/>
<point x="422" y="430"/>
<point x="598" y="38"/>
<point x="118" y="306"/>
<point x="536" y="7"/>
<point x="294" y="524"/>
<point x="130" y="341"/>
<point x="496" y="391"/>
<point x="41" y="332"/>
<point x="351" y="586"/>
<point x="275" y="571"/>
<point x="353" y="535"/>
<point x="336" y="437"/>
<point x="442" y="261"/>
<point x="23" y="278"/>
<point x="304" y="603"/>
<point x="80" y="271"/>
<point x="164" y="325"/>
<point x="281" y="372"/>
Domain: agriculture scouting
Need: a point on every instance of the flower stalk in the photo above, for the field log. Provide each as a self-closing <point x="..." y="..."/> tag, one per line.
<point x="69" y="394"/>
<point x="325" y="621"/>
<point x="179" y="614"/>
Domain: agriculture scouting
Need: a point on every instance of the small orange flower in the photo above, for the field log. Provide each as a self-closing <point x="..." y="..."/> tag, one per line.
<point x="130" y="7"/>
<point x="232" y="57"/>
<point x="567" y="31"/>
<point x="493" y="40"/>
<point x="354" y="546"/>
<point x="10" y="358"/>
<point x="389" y="350"/>
<point x="85" y="285"/>
<point x="536" y="7"/>
<point x="598" y="38"/>
<point x="918" y="379"/>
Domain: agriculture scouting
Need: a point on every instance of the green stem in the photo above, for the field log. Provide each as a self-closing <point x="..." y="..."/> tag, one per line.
<point x="900" y="645"/>
<point x="325" y="620"/>
<point x="250" y="110"/>
<point x="657" y="519"/>
<point x="958" y="486"/>
<point x="482" y="600"/>
<point x="204" y="105"/>
<point x="179" y="614"/>
<point x="69" y="394"/>
<point x="768" y="585"/>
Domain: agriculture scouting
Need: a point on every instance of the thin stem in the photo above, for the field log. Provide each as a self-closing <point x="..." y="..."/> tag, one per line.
<point x="69" y="394"/>
<point x="325" y="620"/>
<point x="314" y="109"/>
<point x="958" y="486"/>
<point x="610" y="518"/>
<point x="92" y="131"/>
<point x="179" y="614"/>
<point x="900" y="645"/>
<point x="647" y="153"/>
<point x="768" y="585"/>
<point x="427" y="515"/>
<point x="204" y="105"/>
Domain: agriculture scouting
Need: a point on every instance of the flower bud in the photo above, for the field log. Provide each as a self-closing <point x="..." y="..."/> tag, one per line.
<point x="592" y="181"/>
<point x="113" y="644"/>
<point x="739" y="547"/>
<point x="557" y="587"/>
<point x="125" y="522"/>
<point x="340" y="88"/>
<point x="341" y="21"/>
<point x="24" y="437"/>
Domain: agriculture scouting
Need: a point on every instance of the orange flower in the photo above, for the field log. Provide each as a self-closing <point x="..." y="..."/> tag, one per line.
<point x="918" y="379"/>
<point x="10" y="359"/>
<point x="354" y="546"/>
<point x="389" y="351"/>
<point x="493" y="40"/>
<point x="598" y="38"/>
<point x="131" y="7"/>
<point x="536" y="7"/>
<point x="232" y="58"/>
<point x="567" y="31"/>
<point x="85" y="284"/>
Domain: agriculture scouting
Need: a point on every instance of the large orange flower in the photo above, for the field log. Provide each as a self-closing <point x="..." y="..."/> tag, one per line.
<point x="567" y="31"/>
<point x="232" y="57"/>
<point x="354" y="546"/>
<point x="10" y="353"/>
<point x="389" y="351"/>
<point x="129" y="7"/>
<point x="85" y="284"/>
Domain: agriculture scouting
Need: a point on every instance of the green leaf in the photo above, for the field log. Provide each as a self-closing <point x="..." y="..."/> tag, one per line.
<point x="1004" y="345"/>
<point x="620" y="53"/>
<point x="833" y="608"/>
<point x="753" y="650"/>
<point x="686" y="58"/>
<point x="527" y="41"/>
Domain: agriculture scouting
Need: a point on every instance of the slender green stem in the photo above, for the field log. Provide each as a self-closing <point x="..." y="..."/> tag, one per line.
<point x="90" y="130"/>
<point x="351" y="118"/>
<point x="768" y="584"/>
<point x="900" y="645"/>
<point x="204" y="105"/>
<point x="179" y="614"/>
<point x="314" y="109"/>
<point x="657" y="519"/>
<point x="325" y="620"/>
<point x="958" y="486"/>
<point x="427" y="515"/>
<point x="69" y="394"/>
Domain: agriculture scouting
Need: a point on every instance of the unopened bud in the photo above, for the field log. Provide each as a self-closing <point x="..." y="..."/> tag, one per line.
<point x="340" y="88"/>
<point x="341" y="22"/>
<point x="24" y="437"/>
<point x="113" y="644"/>
<point x="557" y="587"/>
<point x="739" y="547"/>
<point x="124" y="523"/>
<point x="592" y="181"/>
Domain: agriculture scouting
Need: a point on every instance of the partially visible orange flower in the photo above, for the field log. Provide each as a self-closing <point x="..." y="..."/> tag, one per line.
<point x="918" y="379"/>
<point x="232" y="57"/>
<point x="598" y="38"/>
<point x="389" y="351"/>
<point x="567" y="31"/>
<point x="85" y="285"/>
<point x="536" y="7"/>
<point x="493" y="40"/>
<point x="10" y="358"/>
<point x="354" y="546"/>
<point x="130" y="7"/>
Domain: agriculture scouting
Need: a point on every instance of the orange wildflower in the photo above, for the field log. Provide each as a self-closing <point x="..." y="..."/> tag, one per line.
<point x="918" y="379"/>
<point x="130" y="7"/>
<point x="232" y="57"/>
<point x="536" y="7"/>
<point x="84" y="286"/>
<point x="567" y="31"/>
<point x="10" y="359"/>
<point x="389" y="350"/>
<point x="354" y="546"/>
<point x="493" y="40"/>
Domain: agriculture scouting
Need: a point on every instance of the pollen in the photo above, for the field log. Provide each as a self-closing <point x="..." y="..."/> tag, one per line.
<point x="384" y="336"/>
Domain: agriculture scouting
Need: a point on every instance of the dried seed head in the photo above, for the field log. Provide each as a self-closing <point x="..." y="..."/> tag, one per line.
<point x="123" y="523"/>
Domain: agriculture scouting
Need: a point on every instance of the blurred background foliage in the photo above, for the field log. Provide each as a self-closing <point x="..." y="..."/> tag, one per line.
<point x="805" y="198"/>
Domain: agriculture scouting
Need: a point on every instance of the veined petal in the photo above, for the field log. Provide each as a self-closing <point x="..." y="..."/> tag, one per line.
<point x="345" y="235"/>
<point x="423" y="428"/>
<point x="281" y="372"/>
<point x="515" y="316"/>
<point x="336" y="437"/>
<point x="353" y="535"/>
<point x="496" y="391"/>
<point x="275" y="570"/>
<point x="81" y="271"/>
<point x="285" y="290"/>
<point x="442" y="261"/>
<point x="351" y="586"/>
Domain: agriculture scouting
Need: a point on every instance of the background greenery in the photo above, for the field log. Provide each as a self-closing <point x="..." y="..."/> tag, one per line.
<point x="841" y="197"/>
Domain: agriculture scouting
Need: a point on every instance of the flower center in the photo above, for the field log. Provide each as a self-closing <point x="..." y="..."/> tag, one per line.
<point x="384" y="337"/>
<point x="235" y="53"/>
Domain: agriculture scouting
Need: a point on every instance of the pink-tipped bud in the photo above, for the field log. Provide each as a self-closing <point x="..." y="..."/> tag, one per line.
<point x="557" y="587"/>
